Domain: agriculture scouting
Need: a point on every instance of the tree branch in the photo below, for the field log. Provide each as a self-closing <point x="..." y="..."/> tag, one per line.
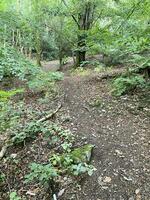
<point x="76" y="21"/>
<point x="130" y="13"/>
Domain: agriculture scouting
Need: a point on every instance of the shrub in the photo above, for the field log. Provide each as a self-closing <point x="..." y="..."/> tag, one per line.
<point x="13" y="63"/>
<point x="7" y="118"/>
<point x="44" y="80"/>
<point x="14" y="196"/>
<point x="42" y="173"/>
<point x="123" y="85"/>
<point x="6" y="95"/>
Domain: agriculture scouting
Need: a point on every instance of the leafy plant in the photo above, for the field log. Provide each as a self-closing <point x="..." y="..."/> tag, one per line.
<point x="14" y="196"/>
<point x="6" y="95"/>
<point x="141" y="64"/>
<point x="28" y="132"/>
<point x="82" y="168"/>
<point x="123" y="85"/>
<point x="7" y="118"/>
<point x="13" y="63"/>
<point x="42" y="173"/>
<point x="2" y="177"/>
<point x="70" y="158"/>
<point x="45" y="81"/>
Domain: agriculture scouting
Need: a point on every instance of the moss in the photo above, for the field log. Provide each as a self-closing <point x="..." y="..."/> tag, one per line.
<point x="80" y="154"/>
<point x="6" y="95"/>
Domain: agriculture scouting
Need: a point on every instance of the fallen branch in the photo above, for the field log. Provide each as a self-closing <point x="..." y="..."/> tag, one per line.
<point x="3" y="151"/>
<point x="51" y="115"/>
<point x="107" y="75"/>
<point x="8" y="143"/>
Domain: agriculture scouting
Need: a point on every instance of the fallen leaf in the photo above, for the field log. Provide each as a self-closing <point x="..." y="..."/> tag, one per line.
<point x="30" y="193"/>
<point x="107" y="179"/>
<point x="61" y="192"/>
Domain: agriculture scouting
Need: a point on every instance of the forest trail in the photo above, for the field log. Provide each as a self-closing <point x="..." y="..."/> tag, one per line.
<point x="117" y="127"/>
<point x="119" y="131"/>
<point x="54" y="65"/>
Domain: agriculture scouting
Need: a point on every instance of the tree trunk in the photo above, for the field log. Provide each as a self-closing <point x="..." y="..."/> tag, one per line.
<point x="61" y="56"/>
<point x="80" y="57"/>
<point x="38" y="58"/>
<point x="81" y="52"/>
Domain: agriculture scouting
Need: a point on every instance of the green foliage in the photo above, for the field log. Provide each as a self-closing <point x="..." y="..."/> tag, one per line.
<point x="42" y="173"/>
<point x="6" y="95"/>
<point x="74" y="161"/>
<point x="14" y="64"/>
<point x="140" y="62"/>
<point x="14" y="196"/>
<point x="7" y="118"/>
<point x="2" y="177"/>
<point x="123" y="85"/>
<point x="28" y="132"/>
<point x="69" y="161"/>
<point x="45" y="81"/>
<point x="82" y="168"/>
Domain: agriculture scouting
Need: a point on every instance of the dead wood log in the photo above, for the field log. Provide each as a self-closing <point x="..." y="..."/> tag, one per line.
<point x="106" y="75"/>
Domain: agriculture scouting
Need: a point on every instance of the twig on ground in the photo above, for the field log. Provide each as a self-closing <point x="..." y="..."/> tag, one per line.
<point x="8" y="143"/>
<point x="51" y="115"/>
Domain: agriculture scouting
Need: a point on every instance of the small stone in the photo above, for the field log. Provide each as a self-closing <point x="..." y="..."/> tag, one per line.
<point x="107" y="179"/>
<point x="131" y="198"/>
<point x="137" y="191"/>
<point x="100" y="180"/>
<point x="13" y="155"/>
<point x="118" y="152"/>
<point x="61" y="192"/>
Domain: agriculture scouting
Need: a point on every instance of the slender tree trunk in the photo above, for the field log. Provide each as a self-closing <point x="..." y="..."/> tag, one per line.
<point x="38" y="58"/>
<point x="81" y="52"/>
<point x="21" y="50"/>
<point x="30" y="53"/>
<point x="5" y="28"/>
<point x="73" y="57"/>
<point x="13" y="38"/>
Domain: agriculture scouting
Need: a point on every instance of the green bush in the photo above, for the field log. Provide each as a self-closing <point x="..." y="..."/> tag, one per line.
<point x="14" y="196"/>
<point x="44" y="80"/>
<point x="7" y="118"/>
<point x="6" y="95"/>
<point x="42" y="173"/>
<point x="13" y="63"/>
<point x="123" y="85"/>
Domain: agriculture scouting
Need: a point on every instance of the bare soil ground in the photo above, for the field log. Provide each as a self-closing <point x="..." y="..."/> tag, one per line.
<point x="120" y="130"/>
<point x="118" y="127"/>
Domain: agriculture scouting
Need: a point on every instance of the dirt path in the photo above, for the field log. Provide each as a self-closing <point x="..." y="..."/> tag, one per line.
<point x="54" y="65"/>
<point x="119" y="129"/>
